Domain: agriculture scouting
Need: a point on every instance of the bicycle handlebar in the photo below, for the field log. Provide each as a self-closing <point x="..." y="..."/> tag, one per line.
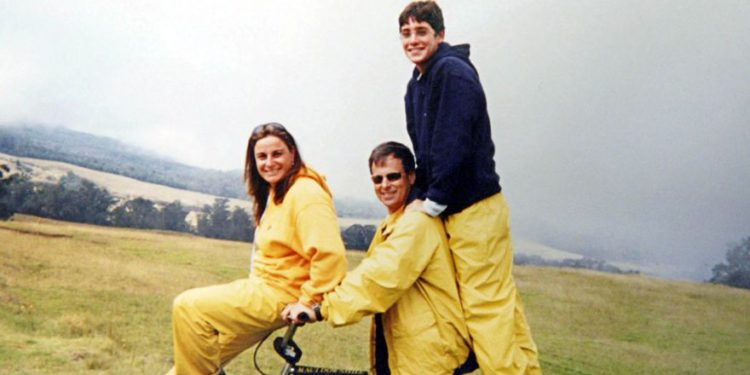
<point x="289" y="334"/>
<point x="291" y="353"/>
<point x="304" y="317"/>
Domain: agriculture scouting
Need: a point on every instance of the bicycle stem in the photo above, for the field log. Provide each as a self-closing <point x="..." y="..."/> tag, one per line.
<point x="289" y="334"/>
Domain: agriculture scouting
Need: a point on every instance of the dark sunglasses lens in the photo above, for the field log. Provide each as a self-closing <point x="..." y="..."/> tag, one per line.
<point x="392" y="177"/>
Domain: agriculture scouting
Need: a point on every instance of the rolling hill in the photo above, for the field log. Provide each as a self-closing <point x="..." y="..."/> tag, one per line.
<point x="120" y="186"/>
<point x="127" y="188"/>
<point x="112" y="156"/>
<point x="48" y="153"/>
<point x="81" y="150"/>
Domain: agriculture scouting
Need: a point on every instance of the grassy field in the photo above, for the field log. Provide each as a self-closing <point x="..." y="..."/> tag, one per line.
<point x="84" y="299"/>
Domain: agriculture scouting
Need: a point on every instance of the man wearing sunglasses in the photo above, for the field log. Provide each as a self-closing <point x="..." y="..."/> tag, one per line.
<point x="449" y="126"/>
<point x="407" y="280"/>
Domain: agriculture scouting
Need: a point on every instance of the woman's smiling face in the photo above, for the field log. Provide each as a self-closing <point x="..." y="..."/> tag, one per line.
<point x="273" y="159"/>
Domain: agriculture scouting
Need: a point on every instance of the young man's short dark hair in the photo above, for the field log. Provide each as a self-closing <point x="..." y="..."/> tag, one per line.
<point x="398" y="150"/>
<point x="423" y="11"/>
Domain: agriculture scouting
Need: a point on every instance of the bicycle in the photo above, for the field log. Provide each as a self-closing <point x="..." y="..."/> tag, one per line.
<point x="291" y="353"/>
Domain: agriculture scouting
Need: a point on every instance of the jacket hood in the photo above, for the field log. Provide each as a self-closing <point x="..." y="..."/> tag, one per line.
<point x="308" y="172"/>
<point x="461" y="51"/>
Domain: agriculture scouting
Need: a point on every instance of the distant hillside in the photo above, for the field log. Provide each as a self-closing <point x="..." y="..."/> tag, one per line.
<point x="124" y="188"/>
<point x="112" y="156"/>
<point x="47" y="153"/>
<point x="109" y="155"/>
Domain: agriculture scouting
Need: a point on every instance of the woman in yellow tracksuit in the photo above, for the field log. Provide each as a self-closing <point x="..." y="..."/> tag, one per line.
<point x="299" y="255"/>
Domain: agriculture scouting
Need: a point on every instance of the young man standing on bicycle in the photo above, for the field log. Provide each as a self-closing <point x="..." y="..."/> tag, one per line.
<point x="449" y="126"/>
<point x="407" y="280"/>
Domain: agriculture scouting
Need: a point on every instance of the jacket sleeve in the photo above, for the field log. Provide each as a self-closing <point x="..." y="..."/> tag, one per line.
<point x="417" y="191"/>
<point x="459" y="106"/>
<point x="320" y="236"/>
<point x="390" y="269"/>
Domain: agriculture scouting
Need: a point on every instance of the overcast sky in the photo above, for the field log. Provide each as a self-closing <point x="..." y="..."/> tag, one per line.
<point x="622" y="127"/>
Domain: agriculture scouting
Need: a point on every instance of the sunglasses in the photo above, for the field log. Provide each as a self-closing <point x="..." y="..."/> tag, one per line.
<point x="270" y="127"/>
<point x="392" y="177"/>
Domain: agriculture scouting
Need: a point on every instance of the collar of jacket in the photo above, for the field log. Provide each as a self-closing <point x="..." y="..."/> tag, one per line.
<point x="389" y="222"/>
<point x="461" y="51"/>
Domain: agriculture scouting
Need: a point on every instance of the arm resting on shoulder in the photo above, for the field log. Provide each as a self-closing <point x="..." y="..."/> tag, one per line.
<point x="390" y="269"/>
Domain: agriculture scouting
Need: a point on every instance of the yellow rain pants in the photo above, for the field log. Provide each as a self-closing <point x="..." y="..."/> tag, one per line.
<point x="480" y="241"/>
<point x="206" y="322"/>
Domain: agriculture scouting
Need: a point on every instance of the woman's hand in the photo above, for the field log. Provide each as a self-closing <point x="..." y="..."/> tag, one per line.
<point x="292" y="313"/>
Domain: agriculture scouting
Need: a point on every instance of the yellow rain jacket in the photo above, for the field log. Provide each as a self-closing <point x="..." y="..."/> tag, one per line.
<point x="298" y="242"/>
<point x="408" y="275"/>
<point x="299" y="257"/>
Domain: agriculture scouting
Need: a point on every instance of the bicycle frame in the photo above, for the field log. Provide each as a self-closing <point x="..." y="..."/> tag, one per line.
<point x="291" y="352"/>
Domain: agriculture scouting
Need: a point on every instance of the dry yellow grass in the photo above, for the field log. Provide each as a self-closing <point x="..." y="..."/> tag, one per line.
<point x="77" y="298"/>
<point x="85" y="299"/>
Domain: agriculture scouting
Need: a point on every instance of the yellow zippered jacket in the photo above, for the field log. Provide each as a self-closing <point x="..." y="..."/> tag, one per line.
<point x="298" y="242"/>
<point x="409" y="276"/>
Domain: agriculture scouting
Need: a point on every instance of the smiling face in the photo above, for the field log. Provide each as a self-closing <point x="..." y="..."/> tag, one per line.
<point x="420" y="42"/>
<point x="273" y="158"/>
<point x="391" y="191"/>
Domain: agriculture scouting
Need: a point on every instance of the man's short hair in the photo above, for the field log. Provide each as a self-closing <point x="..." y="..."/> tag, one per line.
<point x="423" y="11"/>
<point x="398" y="150"/>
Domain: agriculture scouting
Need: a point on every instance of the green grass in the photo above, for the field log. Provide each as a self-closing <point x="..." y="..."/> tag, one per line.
<point x="84" y="299"/>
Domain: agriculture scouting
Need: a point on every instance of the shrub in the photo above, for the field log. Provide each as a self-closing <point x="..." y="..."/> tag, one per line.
<point x="736" y="271"/>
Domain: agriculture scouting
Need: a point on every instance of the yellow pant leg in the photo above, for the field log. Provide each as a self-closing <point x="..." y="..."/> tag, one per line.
<point x="524" y="339"/>
<point x="482" y="249"/>
<point x="212" y="325"/>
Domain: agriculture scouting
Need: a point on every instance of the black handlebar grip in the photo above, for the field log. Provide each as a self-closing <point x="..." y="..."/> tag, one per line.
<point x="303" y="317"/>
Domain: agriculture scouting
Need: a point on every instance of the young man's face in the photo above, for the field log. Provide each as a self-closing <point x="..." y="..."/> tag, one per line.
<point x="392" y="184"/>
<point x="420" y="42"/>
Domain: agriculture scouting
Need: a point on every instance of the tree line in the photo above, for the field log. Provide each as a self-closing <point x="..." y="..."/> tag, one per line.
<point x="585" y="263"/>
<point x="112" y="156"/>
<point x="75" y="199"/>
<point x="735" y="271"/>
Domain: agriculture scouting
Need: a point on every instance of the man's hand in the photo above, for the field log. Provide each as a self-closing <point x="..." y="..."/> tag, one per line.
<point x="415" y="205"/>
<point x="292" y="312"/>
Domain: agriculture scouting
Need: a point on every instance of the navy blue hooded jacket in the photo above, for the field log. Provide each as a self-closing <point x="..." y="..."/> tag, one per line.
<point x="449" y="127"/>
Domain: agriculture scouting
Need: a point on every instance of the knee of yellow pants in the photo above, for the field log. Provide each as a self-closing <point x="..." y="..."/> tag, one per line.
<point x="178" y="304"/>
<point x="181" y="307"/>
<point x="213" y="324"/>
<point x="195" y="341"/>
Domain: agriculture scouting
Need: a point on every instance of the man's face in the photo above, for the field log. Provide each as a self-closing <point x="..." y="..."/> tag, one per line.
<point x="392" y="184"/>
<point x="420" y="42"/>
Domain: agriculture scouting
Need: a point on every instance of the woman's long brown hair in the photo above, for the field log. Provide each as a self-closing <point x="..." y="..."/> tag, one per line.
<point x="257" y="187"/>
